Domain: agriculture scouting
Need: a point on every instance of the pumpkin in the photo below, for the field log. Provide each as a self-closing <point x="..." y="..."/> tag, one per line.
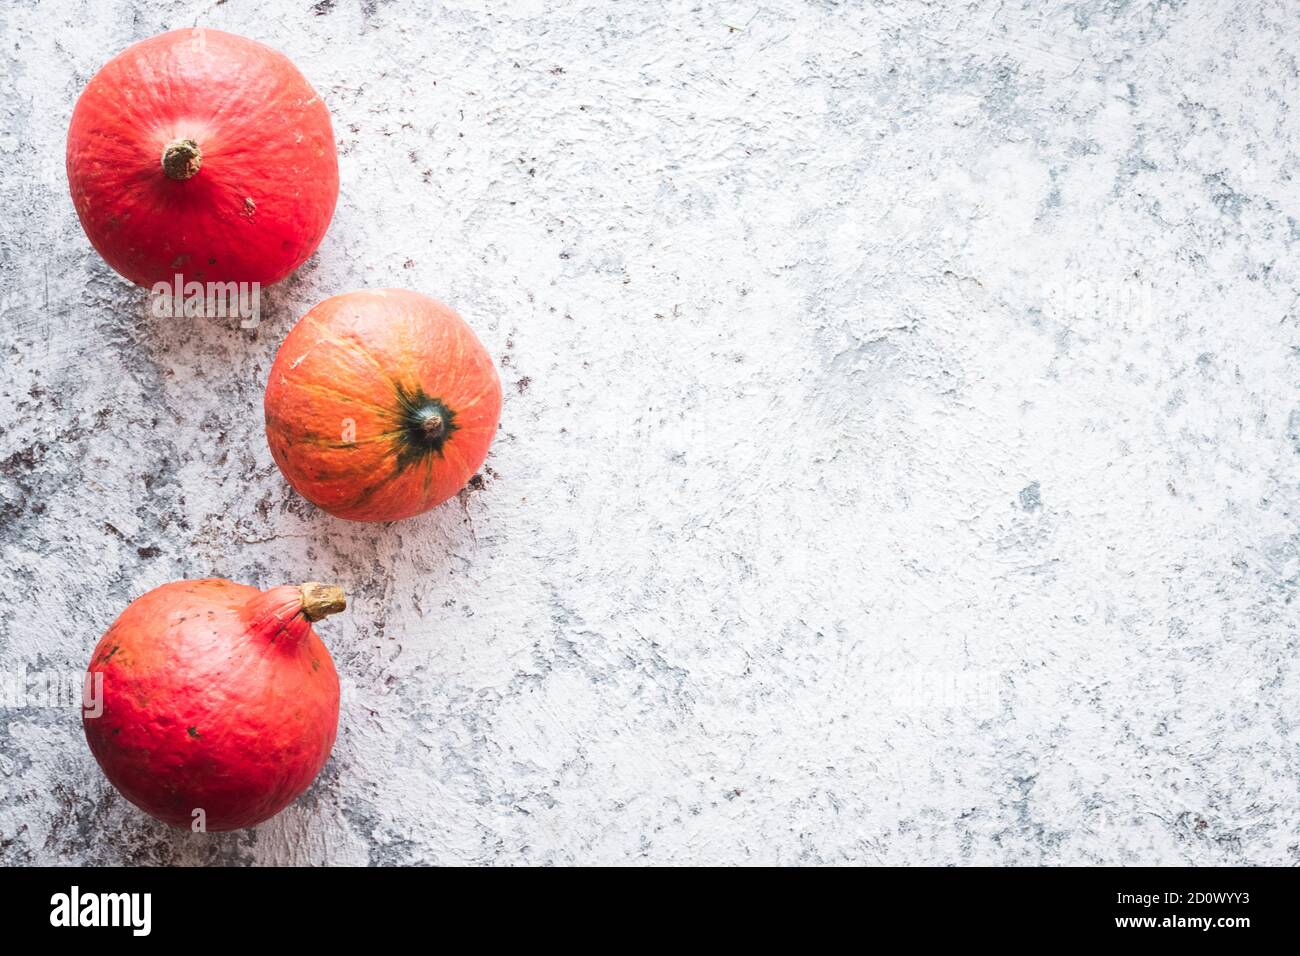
<point x="381" y="404"/>
<point x="204" y="154"/>
<point x="218" y="704"/>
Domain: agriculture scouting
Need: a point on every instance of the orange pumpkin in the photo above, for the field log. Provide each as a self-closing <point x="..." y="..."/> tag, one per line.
<point x="381" y="404"/>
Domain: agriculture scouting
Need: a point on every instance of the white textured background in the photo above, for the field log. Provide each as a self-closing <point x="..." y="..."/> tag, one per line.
<point x="899" y="457"/>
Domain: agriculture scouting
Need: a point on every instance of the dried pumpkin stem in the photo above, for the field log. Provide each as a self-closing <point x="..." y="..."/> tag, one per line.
<point x="433" y="425"/>
<point x="321" y="600"/>
<point x="182" y="159"/>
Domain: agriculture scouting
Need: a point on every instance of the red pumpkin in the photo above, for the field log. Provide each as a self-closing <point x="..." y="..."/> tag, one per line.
<point x="381" y="405"/>
<point x="215" y="697"/>
<point x="202" y="153"/>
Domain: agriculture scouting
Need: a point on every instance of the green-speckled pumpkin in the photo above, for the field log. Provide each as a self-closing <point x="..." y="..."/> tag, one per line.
<point x="381" y="404"/>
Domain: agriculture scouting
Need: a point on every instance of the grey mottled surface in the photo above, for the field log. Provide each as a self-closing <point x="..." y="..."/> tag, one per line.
<point x="898" y="464"/>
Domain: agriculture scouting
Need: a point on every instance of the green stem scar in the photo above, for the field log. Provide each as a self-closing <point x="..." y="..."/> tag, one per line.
<point x="426" y="424"/>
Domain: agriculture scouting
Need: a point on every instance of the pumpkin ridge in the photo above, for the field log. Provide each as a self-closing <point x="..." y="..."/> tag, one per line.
<point x="454" y="447"/>
<point x="428" y="474"/>
<point x="373" y="490"/>
<point x="338" y="444"/>
<point x="268" y="91"/>
<point x="342" y="396"/>
<point x="353" y="346"/>
<point x="484" y="393"/>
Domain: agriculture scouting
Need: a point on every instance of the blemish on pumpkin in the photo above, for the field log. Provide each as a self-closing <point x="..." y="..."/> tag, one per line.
<point x="315" y="664"/>
<point x="108" y="655"/>
<point x="193" y="732"/>
<point x="250" y="207"/>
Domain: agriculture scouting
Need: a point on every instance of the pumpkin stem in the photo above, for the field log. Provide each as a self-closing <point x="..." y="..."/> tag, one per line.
<point x="321" y="600"/>
<point x="181" y="159"/>
<point x="433" y="424"/>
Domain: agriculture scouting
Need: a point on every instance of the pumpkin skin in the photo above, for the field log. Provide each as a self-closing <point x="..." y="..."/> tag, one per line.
<point x="250" y="197"/>
<point x="381" y="404"/>
<point x="215" y="696"/>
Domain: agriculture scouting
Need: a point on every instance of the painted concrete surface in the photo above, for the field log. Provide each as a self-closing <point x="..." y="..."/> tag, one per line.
<point x="898" y="462"/>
